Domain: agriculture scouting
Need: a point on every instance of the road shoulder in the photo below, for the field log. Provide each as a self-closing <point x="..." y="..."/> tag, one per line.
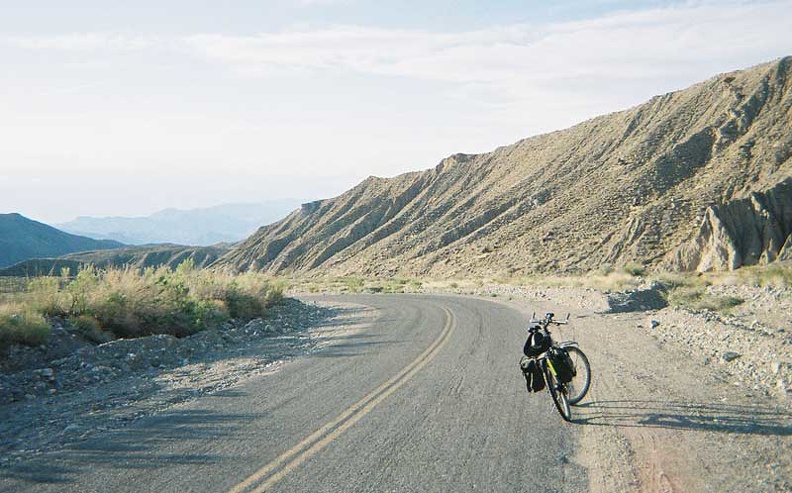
<point x="660" y="417"/>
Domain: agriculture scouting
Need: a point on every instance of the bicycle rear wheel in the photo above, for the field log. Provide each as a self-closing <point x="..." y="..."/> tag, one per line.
<point x="580" y="383"/>
<point x="559" y="394"/>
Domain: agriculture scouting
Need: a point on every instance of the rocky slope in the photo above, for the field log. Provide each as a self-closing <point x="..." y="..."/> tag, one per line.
<point x="757" y="229"/>
<point x="686" y="180"/>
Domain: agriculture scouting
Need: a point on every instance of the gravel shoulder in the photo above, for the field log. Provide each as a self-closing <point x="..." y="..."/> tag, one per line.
<point x="671" y="408"/>
<point x="72" y="390"/>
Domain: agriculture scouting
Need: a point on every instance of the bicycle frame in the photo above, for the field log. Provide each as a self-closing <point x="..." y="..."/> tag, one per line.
<point x="560" y="392"/>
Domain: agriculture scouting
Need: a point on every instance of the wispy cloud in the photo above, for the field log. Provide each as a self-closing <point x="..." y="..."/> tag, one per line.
<point x="620" y="45"/>
<point x="315" y="3"/>
<point x="626" y="44"/>
<point x="578" y="69"/>
<point x="86" y="42"/>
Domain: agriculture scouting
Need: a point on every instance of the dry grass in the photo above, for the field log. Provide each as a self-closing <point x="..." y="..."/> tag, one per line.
<point x="354" y="285"/>
<point x="21" y="325"/>
<point x="127" y="302"/>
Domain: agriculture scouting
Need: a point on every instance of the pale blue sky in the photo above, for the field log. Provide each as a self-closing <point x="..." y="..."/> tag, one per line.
<point x="126" y="108"/>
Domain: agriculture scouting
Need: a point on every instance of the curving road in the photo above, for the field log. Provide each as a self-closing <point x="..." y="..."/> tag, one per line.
<point x="427" y="397"/>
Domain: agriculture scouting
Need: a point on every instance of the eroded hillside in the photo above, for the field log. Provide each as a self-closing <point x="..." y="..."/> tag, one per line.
<point x="642" y="185"/>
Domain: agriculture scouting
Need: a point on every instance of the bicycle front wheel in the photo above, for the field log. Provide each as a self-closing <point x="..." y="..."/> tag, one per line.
<point x="559" y="394"/>
<point x="580" y="383"/>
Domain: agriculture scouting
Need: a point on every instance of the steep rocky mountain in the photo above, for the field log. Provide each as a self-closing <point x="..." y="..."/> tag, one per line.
<point x="22" y="238"/>
<point x="226" y="223"/>
<point x="694" y="179"/>
<point x="136" y="257"/>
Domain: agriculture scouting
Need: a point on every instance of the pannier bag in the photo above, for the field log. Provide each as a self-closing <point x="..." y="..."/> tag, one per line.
<point x="536" y="343"/>
<point x="534" y="380"/>
<point x="563" y="366"/>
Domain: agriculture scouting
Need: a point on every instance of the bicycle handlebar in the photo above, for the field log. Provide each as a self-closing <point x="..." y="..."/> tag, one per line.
<point x="548" y="320"/>
<point x="556" y="322"/>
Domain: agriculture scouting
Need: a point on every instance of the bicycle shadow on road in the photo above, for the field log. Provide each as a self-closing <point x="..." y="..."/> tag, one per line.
<point x="717" y="417"/>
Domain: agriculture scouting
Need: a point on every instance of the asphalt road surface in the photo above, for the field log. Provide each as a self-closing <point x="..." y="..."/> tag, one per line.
<point x="427" y="397"/>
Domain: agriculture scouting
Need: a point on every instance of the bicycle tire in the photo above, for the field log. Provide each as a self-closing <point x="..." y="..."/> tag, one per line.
<point x="558" y="393"/>
<point x="581" y="382"/>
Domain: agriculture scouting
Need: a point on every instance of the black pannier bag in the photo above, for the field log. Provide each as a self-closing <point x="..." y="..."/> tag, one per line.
<point x="534" y="380"/>
<point x="562" y="363"/>
<point x="536" y="343"/>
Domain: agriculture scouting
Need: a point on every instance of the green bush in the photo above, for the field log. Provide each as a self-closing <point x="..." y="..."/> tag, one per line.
<point x="128" y="302"/>
<point x="635" y="270"/>
<point x="774" y="275"/>
<point x="90" y="328"/>
<point x="45" y="296"/>
<point x="353" y="284"/>
<point x="21" y="326"/>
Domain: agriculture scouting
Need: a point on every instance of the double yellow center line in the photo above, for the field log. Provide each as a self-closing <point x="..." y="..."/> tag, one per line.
<point x="267" y="476"/>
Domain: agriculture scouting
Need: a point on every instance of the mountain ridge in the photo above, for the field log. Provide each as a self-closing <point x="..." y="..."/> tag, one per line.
<point x="206" y="226"/>
<point x="137" y="257"/>
<point x="633" y="186"/>
<point x="22" y="238"/>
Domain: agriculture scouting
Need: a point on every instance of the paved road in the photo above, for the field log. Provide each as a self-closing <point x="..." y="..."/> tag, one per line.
<point x="426" y="398"/>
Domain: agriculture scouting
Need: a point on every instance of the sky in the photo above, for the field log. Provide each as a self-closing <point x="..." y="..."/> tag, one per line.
<point x="125" y="108"/>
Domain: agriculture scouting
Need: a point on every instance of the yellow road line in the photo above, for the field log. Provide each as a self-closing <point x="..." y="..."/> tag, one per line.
<point x="292" y="458"/>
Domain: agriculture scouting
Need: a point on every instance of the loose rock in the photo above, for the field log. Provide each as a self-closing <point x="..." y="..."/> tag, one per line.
<point x="730" y="356"/>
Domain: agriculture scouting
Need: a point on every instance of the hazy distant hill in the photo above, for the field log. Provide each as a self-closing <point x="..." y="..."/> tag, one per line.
<point x="137" y="257"/>
<point x="22" y="238"/>
<point x="208" y="226"/>
<point x="696" y="179"/>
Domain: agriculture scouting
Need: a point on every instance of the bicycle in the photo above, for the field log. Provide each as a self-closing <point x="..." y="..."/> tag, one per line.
<point x="563" y="366"/>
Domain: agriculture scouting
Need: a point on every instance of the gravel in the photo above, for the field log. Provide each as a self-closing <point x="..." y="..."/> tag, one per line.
<point x="751" y="345"/>
<point x="72" y="389"/>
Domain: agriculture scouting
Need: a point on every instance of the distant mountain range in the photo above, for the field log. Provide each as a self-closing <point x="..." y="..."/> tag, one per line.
<point x="697" y="179"/>
<point x="206" y="226"/>
<point x="22" y="238"/>
<point x="135" y="257"/>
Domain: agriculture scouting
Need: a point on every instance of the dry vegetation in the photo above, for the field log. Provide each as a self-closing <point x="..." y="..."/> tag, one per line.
<point x="128" y="302"/>
<point x="691" y="290"/>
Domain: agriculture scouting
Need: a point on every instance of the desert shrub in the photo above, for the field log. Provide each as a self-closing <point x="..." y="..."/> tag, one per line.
<point x="45" y="296"/>
<point x="697" y="298"/>
<point x="685" y="296"/>
<point x="249" y="295"/>
<point x="21" y="325"/>
<point x="353" y="284"/>
<point x="243" y="306"/>
<point x="773" y="275"/>
<point x="634" y="269"/>
<point x="131" y="303"/>
<point x="719" y="303"/>
<point x="605" y="269"/>
<point x="79" y="291"/>
<point x="90" y="328"/>
<point x="128" y="302"/>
